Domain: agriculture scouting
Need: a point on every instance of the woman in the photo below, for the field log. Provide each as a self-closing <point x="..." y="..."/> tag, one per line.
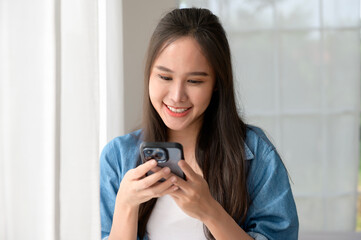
<point x="236" y="185"/>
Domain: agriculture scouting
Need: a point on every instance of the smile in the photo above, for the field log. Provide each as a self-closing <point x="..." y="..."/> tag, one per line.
<point x="177" y="112"/>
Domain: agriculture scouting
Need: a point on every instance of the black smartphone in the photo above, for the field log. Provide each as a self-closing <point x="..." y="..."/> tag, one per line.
<point x="167" y="154"/>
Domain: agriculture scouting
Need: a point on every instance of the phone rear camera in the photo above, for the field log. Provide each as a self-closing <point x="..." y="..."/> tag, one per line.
<point x="159" y="154"/>
<point x="148" y="152"/>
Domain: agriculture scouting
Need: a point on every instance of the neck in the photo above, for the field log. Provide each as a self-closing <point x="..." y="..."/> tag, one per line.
<point x="187" y="138"/>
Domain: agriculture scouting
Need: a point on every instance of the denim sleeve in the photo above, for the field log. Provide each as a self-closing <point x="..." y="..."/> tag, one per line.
<point x="109" y="185"/>
<point x="272" y="213"/>
<point x="111" y="173"/>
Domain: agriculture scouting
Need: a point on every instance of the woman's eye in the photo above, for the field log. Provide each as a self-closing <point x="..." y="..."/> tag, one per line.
<point x="164" y="77"/>
<point x="195" y="81"/>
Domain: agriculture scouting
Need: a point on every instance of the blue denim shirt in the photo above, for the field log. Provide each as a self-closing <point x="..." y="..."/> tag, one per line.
<point x="272" y="213"/>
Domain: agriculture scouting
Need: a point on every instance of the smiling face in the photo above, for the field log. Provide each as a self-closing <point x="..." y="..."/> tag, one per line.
<point x="181" y="85"/>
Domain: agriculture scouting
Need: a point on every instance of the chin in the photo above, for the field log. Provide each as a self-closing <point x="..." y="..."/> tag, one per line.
<point x="175" y="127"/>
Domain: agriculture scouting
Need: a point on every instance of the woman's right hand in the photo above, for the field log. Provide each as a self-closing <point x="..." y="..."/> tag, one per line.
<point x="136" y="187"/>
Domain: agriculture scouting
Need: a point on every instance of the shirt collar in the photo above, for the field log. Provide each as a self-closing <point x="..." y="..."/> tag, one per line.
<point x="249" y="154"/>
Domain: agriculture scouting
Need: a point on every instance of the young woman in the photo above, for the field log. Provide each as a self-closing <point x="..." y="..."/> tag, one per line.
<point x="236" y="185"/>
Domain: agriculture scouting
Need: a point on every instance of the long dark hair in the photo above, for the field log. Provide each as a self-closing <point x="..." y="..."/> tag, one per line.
<point x="220" y="144"/>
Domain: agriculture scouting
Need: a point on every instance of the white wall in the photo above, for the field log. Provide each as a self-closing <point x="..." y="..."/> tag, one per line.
<point x="126" y="49"/>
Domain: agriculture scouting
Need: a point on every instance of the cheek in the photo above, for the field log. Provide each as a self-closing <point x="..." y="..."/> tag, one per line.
<point x="204" y="98"/>
<point x="151" y="91"/>
<point x="154" y="92"/>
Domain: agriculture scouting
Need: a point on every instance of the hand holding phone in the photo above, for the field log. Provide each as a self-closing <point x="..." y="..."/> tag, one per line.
<point x="167" y="154"/>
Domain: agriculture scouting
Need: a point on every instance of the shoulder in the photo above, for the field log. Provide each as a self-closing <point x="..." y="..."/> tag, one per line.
<point x="122" y="151"/>
<point x="127" y="140"/>
<point x="122" y="143"/>
<point x="265" y="162"/>
<point x="257" y="143"/>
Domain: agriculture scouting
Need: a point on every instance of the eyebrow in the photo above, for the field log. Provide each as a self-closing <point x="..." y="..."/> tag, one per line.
<point x="162" y="68"/>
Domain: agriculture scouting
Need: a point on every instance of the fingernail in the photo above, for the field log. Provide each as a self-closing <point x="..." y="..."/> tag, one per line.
<point x="153" y="162"/>
<point x="166" y="170"/>
<point x="175" y="188"/>
<point x="174" y="179"/>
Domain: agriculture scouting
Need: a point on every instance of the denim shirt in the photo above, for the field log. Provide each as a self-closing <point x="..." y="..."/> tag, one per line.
<point x="272" y="212"/>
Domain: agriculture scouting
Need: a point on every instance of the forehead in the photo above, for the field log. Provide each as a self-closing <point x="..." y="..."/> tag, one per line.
<point x="183" y="54"/>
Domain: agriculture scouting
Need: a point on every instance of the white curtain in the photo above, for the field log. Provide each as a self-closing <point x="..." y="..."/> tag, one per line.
<point x="49" y="119"/>
<point x="71" y="76"/>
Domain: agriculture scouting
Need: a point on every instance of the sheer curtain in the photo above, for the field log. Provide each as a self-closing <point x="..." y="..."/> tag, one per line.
<point x="49" y="120"/>
<point x="71" y="76"/>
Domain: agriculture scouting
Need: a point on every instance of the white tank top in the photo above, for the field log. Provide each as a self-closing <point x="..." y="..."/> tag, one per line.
<point x="168" y="221"/>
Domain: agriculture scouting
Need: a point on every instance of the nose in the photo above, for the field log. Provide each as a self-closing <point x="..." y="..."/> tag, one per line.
<point x="177" y="92"/>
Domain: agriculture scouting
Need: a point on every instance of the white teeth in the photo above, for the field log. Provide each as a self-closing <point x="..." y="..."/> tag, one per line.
<point x="177" y="110"/>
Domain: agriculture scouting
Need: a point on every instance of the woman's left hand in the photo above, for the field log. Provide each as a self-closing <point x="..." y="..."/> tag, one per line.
<point x="195" y="199"/>
<point x="193" y="195"/>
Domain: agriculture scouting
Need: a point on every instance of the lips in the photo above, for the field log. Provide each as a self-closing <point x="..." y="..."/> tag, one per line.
<point x="177" y="111"/>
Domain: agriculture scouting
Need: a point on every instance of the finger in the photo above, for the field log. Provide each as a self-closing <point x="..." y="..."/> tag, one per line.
<point x="170" y="175"/>
<point x="178" y="194"/>
<point x="153" y="178"/>
<point x="170" y="190"/>
<point x="188" y="171"/>
<point x="181" y="183"/>
<point x="156" y="169"/>
<point x="142" y="169"/>
<point x="162" y="189"/>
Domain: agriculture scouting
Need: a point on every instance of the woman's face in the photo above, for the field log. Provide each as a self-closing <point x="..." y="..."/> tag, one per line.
<point x="181" y="85"/>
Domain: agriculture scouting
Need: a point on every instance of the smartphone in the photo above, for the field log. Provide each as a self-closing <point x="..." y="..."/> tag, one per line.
<point x="167" y="154"/>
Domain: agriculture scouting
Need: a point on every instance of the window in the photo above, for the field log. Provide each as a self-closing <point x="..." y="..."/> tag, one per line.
<point x="297" y="65"/>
